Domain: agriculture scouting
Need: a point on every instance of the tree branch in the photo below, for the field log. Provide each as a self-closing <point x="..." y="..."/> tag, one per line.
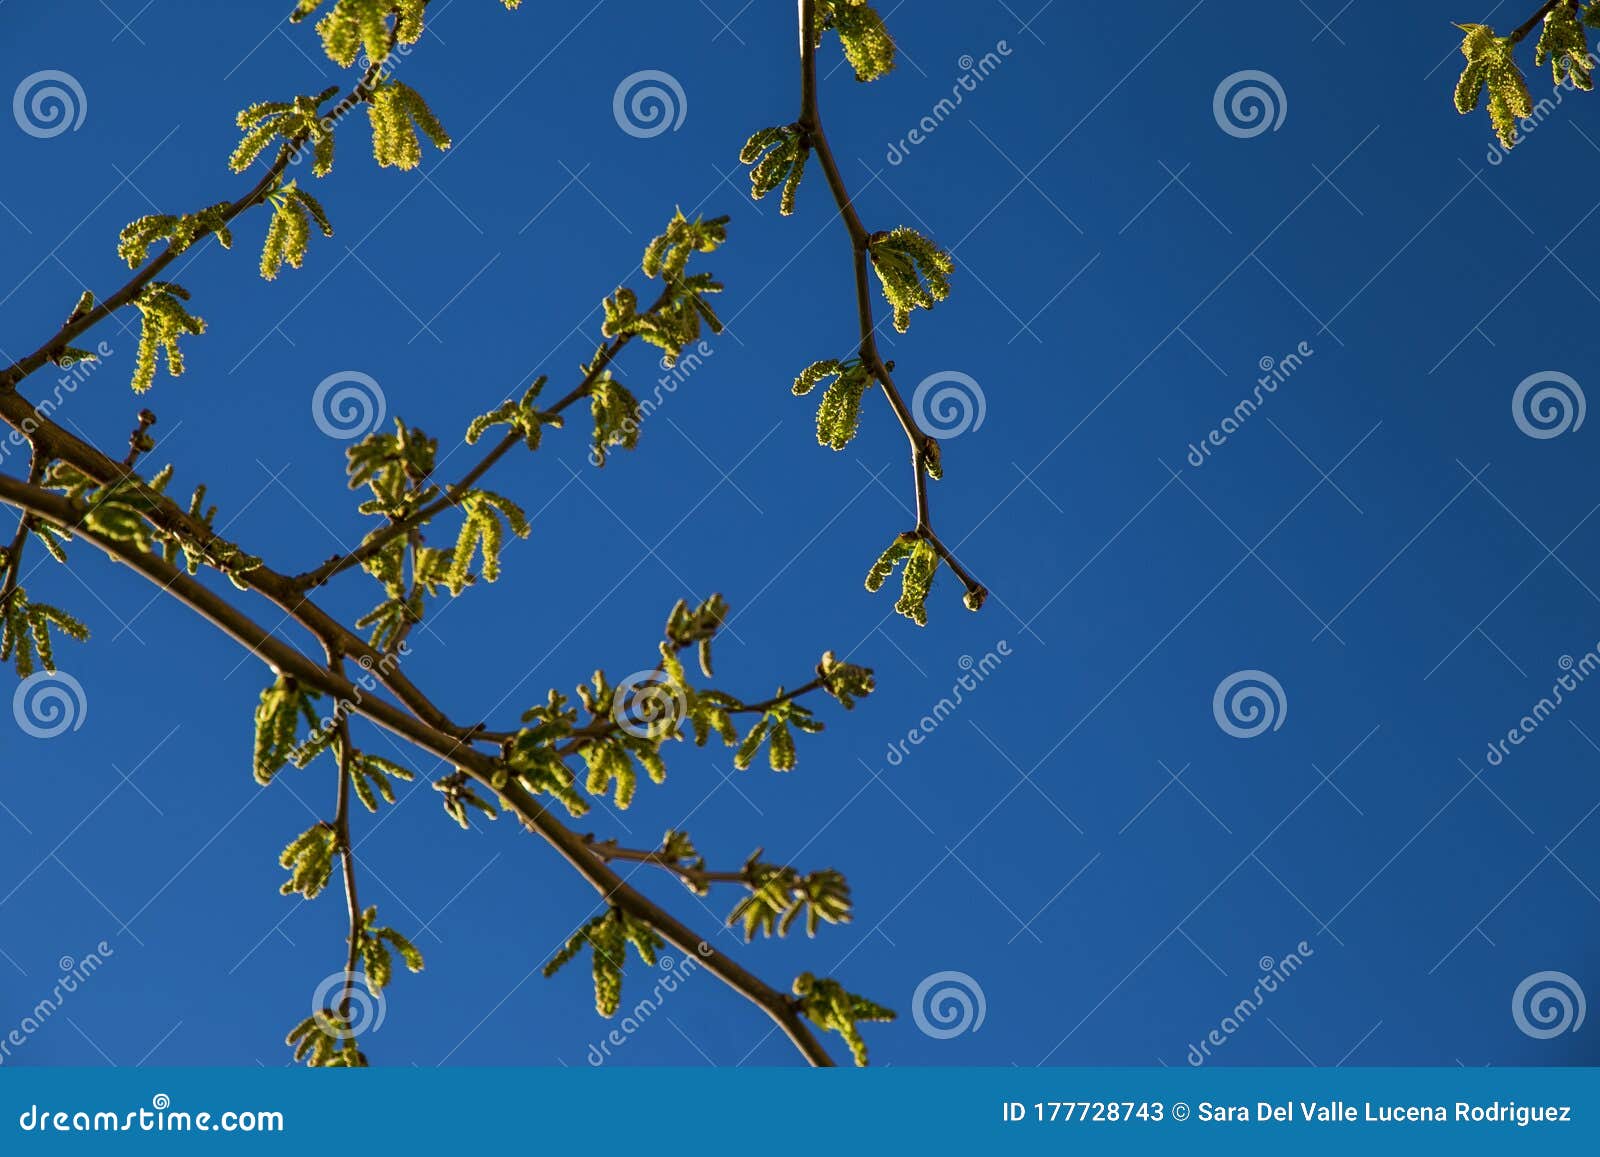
<point x="454" y="493"/>
<point x="76" y="326"/>
<point x="1533" y="21"/>
<point x="923" y="446"/>
<point x="55" y="442"/>
<point x="696" y="878"/>
<point x="779" y="1006"/>
<point x="13" y="553"/>
<point x="346" y="847"/>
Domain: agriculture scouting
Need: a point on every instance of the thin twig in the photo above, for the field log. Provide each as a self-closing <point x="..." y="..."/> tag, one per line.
<point x="76" y="325"/>
<point x="281" y="657"/>
<point x="923" y="446"/>
<point x="609" y="850"/>
<point x="342" y="840"/>
<point x="13" y="553"/>
<point x="454" y="493"/>
<point x="1533" y="21"/>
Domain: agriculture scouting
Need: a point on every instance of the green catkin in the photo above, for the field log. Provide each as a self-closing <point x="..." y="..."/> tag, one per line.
<point x="374" y="944"/>
<point x="777" y="156"/>
<point x="1491" y="67"/>
<point x="293" y="212"/>
<point x="1564" y="45"/>
<point x="295" y="122"/>
<point x="916" y="578"/>
<point x="487" y="517"/>
<point x="277" y="718"/>
<point x="607" y="936"/>
<point x="164" y="317"/>
<point x="397" y="468"/>
<point x="309" y="860"/>
<point x="396" y="111"/>
<point x="884" y="567"/>
<point x="827" y="1005"/>
<point x="914" y="272"/>
<point x="917" y="581"/>
<point x="779" y="896"/>
<point x="356" y="28"/>
<point x="133" y="244"/>
<point x="616" y="417"/>
<point x="866" y="42"/>
<point x="522" y="417"/>
<point x="839" y="415"/>
<point x="25" y="632"/>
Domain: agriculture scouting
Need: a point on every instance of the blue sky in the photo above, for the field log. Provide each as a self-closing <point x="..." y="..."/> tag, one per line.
<point x="1081" y="839"/>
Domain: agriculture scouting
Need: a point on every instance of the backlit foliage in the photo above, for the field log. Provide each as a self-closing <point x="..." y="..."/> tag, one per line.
<point x="839" y="415"/>
<point x="396" y="111"/>
<point x="1492" y="67"/>
<point x="777" y="156"/>
<point x="294" y="123"/>
<point x="779" y="896"/>
<point x="866" y="42"/>
<point x="25" y="632"/>
<point x="916" y="576"/>
<point x="326" y="1039"/>
<point x="161" y="305"/>
<point x="428" y="537"/>
<point x="375" y="942"/>
<point x="832" y="1009"/>
<point x="914" y="271"/>
<point x="353" y="26"/>
<point x="607" y="937"/>
<point x="522" y="416"/>
<point x="278" y="717"/>
<point x="293" y="212"/>
<point x="133" y="246"/>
